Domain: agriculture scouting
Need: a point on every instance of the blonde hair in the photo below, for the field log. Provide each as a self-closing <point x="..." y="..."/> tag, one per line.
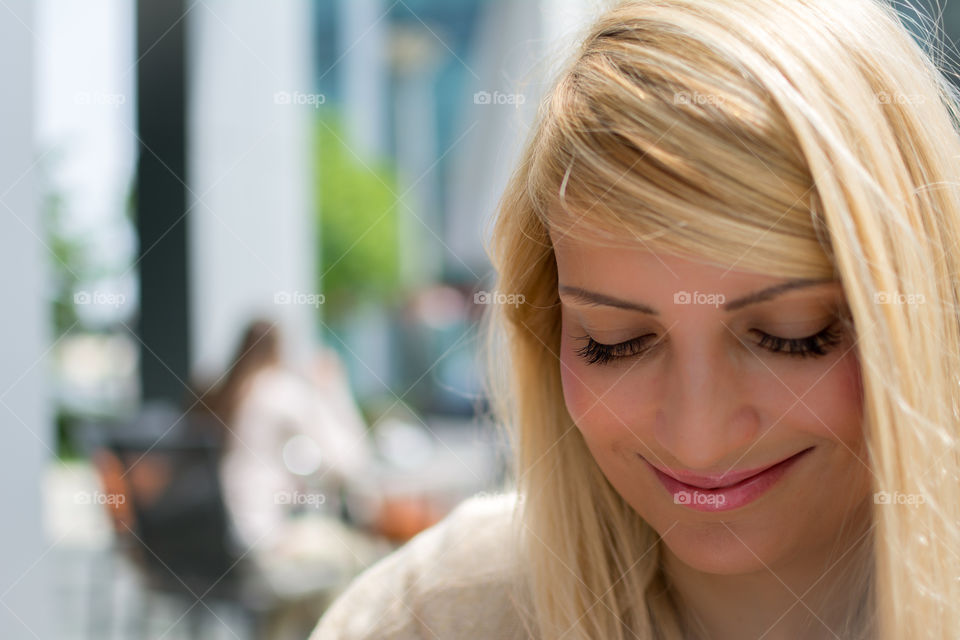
<point x="799" y="138"/>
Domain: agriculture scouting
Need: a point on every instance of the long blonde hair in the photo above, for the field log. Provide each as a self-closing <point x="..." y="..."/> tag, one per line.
<point x="798" y="138"/>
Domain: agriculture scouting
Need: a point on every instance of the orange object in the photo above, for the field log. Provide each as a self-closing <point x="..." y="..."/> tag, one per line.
<point x="401" y="518"/>
<point x="110" y="471"/>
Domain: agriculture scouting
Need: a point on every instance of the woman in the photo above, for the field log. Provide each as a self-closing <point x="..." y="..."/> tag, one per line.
<point x="733" y="380"/>
<point x="288" y="438"/>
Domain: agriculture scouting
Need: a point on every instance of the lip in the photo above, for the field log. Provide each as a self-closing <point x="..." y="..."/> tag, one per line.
<point x="723" y="491"/>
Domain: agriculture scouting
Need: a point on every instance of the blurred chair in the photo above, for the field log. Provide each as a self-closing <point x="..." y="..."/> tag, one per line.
<point x="171" y="521"/>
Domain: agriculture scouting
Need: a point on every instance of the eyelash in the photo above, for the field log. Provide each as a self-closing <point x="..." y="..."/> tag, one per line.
<point x="816" y="345"/>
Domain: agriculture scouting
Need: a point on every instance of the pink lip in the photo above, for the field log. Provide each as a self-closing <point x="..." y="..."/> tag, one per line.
<point x="723" y="491"/>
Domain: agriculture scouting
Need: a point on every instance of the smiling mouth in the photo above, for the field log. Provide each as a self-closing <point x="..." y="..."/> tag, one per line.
<point x="724" y="491"/>
<point x="723" y="480"/>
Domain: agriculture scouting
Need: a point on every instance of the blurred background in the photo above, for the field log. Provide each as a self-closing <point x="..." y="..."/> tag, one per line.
<point x="244" y="266"/>
<point x="243" y="246"/>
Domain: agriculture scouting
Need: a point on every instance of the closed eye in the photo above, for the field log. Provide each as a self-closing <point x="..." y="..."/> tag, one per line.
<point x="598" y="353"/>
<point x="816" y="345"/>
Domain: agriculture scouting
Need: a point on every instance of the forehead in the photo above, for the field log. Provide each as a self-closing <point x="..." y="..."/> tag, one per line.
<point x="638" y="277"/>
<point x="582" y="262"/>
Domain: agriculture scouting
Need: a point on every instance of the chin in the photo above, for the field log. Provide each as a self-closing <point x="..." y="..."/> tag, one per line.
<point x="712" y="548"/>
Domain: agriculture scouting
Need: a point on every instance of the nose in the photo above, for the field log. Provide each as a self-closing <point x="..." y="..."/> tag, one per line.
<point x="706" y="418"/>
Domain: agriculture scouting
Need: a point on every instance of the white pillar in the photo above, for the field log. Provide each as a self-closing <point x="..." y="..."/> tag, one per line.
<point x="519" y="49"/>
<point x="361" y="68"/>
<point x="25" y="415"/>
<point x="251" y="108"/>
<point x="421" y="250"/>
<point x="504" y="68"/>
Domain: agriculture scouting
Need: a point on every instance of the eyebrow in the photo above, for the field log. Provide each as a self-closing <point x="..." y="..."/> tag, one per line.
<point x="600" y="299"/>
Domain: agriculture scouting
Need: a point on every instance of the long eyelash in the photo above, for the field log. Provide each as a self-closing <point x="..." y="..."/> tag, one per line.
<point x="816" y="345"/>
<point x="596" y="353"/>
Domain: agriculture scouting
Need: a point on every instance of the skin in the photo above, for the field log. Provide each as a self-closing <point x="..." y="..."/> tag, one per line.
<point x="708" y="398"/>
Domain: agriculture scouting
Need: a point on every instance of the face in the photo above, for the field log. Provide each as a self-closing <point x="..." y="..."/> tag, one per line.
<point x="731" y="422"/>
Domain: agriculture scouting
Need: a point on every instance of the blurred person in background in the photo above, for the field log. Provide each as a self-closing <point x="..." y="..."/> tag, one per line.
<point x="293" y="445"/>
<point x="293" y="440"/>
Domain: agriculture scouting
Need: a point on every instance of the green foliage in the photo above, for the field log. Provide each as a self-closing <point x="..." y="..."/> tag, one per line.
<point x="65" y="255"/>
<point x="357" y="222"/>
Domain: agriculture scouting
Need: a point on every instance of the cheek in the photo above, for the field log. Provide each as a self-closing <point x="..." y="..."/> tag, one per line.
<point x="585" y="386"/>
<point x="836" y="400"/>
<point x="605" y="402"/>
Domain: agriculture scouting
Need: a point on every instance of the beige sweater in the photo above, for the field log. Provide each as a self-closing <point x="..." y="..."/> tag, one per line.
<point x="457" y="580"/>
